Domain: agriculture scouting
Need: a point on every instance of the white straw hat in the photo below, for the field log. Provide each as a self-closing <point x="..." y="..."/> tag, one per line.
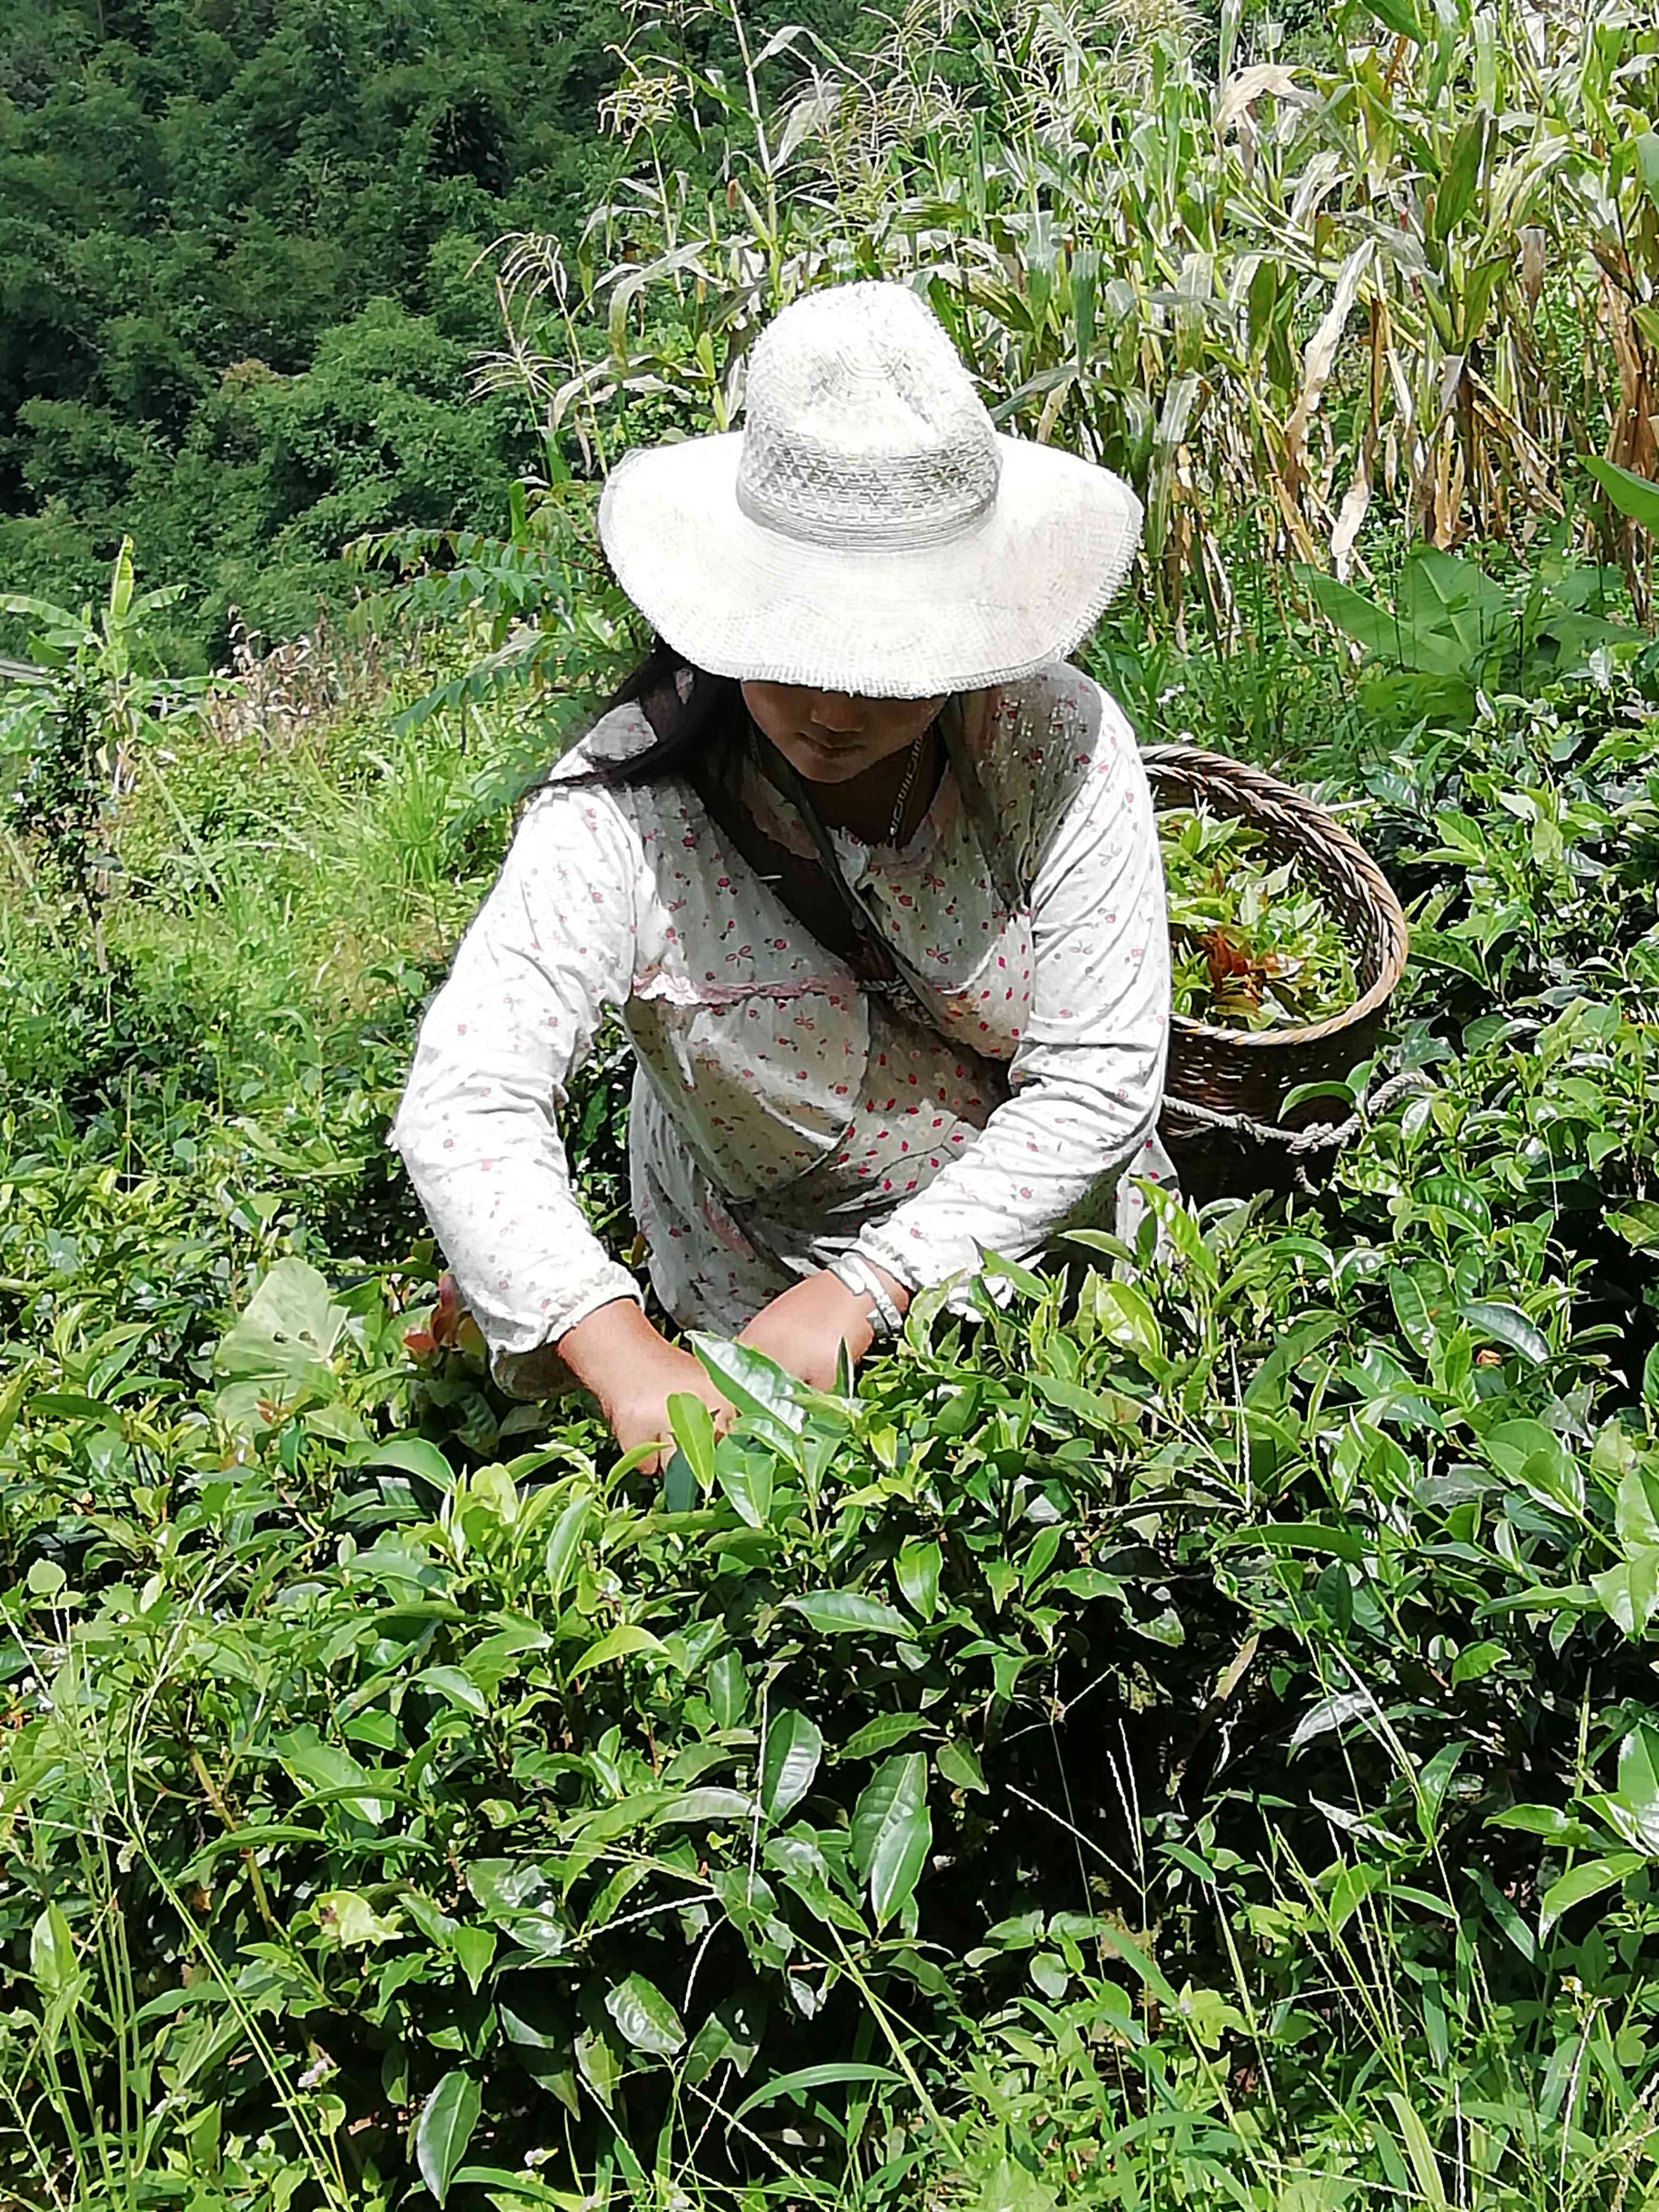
<point x="868" y="530"/>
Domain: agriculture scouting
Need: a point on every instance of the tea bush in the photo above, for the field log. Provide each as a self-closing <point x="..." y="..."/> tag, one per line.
<point x="1187" y="1732"/>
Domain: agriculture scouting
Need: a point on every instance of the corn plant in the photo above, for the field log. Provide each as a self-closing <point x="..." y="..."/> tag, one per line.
<point x="1416" y="273"/>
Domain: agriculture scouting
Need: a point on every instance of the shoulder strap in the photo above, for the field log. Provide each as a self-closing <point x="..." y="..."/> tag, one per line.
<point x="992" y="843"/>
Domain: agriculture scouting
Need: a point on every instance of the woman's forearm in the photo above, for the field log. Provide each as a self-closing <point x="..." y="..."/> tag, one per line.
<point x="633" y="1371"/>
<point x="607" y="1346"/>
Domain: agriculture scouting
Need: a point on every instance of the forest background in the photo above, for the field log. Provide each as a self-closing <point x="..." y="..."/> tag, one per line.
<point x="239" y="289"/>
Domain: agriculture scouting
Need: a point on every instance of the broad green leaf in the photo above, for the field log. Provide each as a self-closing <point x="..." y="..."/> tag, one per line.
<point x="1638" y="1783"/>
<point x="1431" y="1786"/>
<point x="693" y="1433"/>
<point x="745" y="1480"/>
<point x="843" y="1612"/>
<point x="679" y="1484"/>
<point x="1507" y="1325"/>
<point x="717" y="1806"/>
<point x="120" y="582"/>
<point x="882" y="1734"/>
<point x="1453" y="611"/>
<point x="752" y="1381"/>
<point x="11" y="1402"/>
<point x="618" y="1644"/>
<point x="445" y="2128"/>
<point x="564" y="1543"/>
<point x="1635" y="497"/>
<point x="460" y="1688"/>
<point x="474" y="1948"/>
<point x="1476" y="1661"/>
<point x="645" y="2017"/>
<point x="1440" y="950"/>
<point x="729" y="2037"/>
<point x="599" y="2063"/>
<point x="918" y="1569"/>
<point x="1636" y="1512"/>
<point x="1333" y="1713"/>
<point x="1072" y="1398"/>
<point x="503" y="1887"/>
<point x="793" y="1748"/>
<point x="1399" y="17"/>
<point x="289" y="1331"/>
<point x="1638" y="1221"/>
<point x="892" y="1833"/>
<point x="45" y="610"/>
<point x="1460" y="177"/>
<point x="51" y="1955"/>
<point x="326" y="1768"/>
<point x="1414" y="1310"/>
<point x="1584" y="1883"/>
<point x="728" y="1691"/>
<point x="415" y="1456"/>
<point x="71" y="1406"/>
<point x="1373" y="627"/>
<point x="959" y="1764"/>
<point x="1527" y="1451"/>
<point x="347" y="1917"/>
<point x="1304" y="1536"/>
<point x="1126" y="1319"/>
<point x="1550" y="1822"/>
<point x="1454" y="1200"/>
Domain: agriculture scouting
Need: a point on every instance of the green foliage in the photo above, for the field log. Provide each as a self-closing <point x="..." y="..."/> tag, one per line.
<point x="1184" y="1734"/>
<point x="238" y="263"/>
<point x="1273" y="294"/>
<point x="1253" y="948"/>
<point x="1208" y="1690"/>
<point x="73" y="724"/>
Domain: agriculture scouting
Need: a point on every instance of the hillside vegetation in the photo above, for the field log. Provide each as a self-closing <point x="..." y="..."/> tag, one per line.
<point x="1186" y="1738"/>
<point x="238" y="292"/>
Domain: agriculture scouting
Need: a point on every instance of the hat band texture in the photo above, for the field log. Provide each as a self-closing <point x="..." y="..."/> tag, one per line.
<point x="902" y="534"/>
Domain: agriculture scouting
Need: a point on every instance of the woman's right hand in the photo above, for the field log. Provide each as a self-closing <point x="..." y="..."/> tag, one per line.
<point x="634" y="1372"/>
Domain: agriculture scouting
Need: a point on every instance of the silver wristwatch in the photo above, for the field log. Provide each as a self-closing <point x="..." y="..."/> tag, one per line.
<point x="859" y="1277"/>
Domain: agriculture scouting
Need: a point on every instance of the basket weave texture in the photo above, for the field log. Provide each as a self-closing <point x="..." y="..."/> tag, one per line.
<point x="1251" y="1072"/>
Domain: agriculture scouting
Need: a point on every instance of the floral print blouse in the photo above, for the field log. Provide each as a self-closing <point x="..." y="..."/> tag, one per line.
<point x="779" y="1114"/>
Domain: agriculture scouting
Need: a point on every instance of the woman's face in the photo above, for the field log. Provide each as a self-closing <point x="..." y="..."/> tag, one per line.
<point x="831" y="737"/>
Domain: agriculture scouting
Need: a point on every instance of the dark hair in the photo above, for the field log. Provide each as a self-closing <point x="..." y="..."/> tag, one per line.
<point x="710" y="712"/>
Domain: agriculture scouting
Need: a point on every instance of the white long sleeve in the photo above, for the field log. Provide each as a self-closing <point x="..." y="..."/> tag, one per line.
<point x="552" y="950"/>
<point x="1088" y="1071"/>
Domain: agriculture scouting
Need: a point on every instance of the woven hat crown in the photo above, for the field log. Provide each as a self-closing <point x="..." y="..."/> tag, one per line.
<point x="863" y="428"/>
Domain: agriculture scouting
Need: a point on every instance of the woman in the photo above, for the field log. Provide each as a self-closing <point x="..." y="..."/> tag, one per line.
<point x="870" y="874"/>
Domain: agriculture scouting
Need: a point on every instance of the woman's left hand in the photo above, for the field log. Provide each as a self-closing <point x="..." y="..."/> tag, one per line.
<point x="805" y="1328"/>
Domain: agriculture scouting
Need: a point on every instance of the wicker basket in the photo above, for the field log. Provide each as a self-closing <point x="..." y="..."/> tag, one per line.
<point x="1250" y="1072"/>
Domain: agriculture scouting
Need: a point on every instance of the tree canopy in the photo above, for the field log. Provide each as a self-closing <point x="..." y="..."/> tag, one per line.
<point x="237" y="291"/>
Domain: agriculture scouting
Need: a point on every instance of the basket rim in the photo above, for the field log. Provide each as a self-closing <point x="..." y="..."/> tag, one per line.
<point x="1246" y="778"/>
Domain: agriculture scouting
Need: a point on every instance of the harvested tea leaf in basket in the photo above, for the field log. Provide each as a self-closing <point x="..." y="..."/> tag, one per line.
<point x="1253" y="947"/>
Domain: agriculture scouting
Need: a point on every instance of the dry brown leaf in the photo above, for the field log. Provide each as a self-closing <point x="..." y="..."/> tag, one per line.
<point x="1320" y="357"/>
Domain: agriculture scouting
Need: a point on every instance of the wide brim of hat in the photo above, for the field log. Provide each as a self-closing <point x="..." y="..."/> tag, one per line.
<point x="1016" y="591"/>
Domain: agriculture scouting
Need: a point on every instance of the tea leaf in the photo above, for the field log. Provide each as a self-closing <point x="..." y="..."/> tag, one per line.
<point x="843" y="1612"/>
<point x="644" y="2016"/>
<point x="445" y="2128"/>
<point x="892" y="1833"/>
<point x="793" y="1749"/>
<point x="1583" y="1883"/>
